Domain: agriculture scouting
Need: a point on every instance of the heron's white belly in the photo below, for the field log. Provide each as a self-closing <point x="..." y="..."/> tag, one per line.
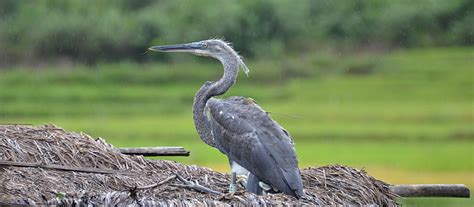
<point x="239" y="170"/>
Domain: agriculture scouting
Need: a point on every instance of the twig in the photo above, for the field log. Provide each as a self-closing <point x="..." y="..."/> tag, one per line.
<point x="155" y="184"/>
<point x="61" y="167"/>
<point x="232" y="195"/>
<point x="155" y="151"/>
<point x="196" y="186"/>
<point x="324" y="175"/>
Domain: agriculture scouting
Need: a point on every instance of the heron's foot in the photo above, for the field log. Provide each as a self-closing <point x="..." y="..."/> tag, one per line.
<point x="195" y="186"/>
<point x="242" y="182"/>
<point x="232" y="188"/>
<point x="237" y="182"/>
<point x="233" y="182"/>
<point x="267" y="188"/>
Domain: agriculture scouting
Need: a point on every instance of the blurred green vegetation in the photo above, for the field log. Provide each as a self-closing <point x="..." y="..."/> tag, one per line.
<point x="93" y="31"/>
<point x="405" y="116"/>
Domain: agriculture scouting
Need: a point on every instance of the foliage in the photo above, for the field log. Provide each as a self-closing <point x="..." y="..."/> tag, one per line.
<point x="95" y="31"/>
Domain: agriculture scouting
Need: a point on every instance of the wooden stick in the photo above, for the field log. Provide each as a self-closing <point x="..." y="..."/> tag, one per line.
<point x="155" y="151"/>
<point x="431" y="190"/>
<point x="60" y="167"/>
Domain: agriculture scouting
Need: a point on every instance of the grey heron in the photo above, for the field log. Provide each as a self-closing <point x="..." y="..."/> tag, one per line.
<point x="240" y="128"/>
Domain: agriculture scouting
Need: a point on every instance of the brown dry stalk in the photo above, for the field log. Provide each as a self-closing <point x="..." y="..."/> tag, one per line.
<point x="40" y="176"/>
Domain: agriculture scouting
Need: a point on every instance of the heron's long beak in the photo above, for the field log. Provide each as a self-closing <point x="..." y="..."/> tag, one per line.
<point x="177" y="48"/>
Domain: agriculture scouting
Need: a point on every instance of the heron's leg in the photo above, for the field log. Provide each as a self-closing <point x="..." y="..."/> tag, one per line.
<point x="233" y="182"/>
<point x="238" y="177"/>
<point x="253" y="185"/>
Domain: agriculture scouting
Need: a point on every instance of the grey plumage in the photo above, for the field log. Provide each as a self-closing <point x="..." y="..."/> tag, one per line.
<point x="247" y="135"/>
<point x="238" y="127"/>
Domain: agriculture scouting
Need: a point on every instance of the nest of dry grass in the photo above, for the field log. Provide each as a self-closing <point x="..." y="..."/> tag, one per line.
<point x="48" y="165"/>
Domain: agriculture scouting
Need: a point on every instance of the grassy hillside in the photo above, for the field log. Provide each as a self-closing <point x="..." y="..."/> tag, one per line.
<point x="406" y="117"/>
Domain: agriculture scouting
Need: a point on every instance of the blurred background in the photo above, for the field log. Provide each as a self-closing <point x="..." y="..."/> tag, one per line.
<point x="386" y="86"/>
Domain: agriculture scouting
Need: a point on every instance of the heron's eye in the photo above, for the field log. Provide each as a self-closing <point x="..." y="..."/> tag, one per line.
<point x="204" y="45"/>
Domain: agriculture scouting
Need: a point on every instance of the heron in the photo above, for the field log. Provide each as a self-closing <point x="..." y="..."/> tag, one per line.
<point x="239" y="128"/>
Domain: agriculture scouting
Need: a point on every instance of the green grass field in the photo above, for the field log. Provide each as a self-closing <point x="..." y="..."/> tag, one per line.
<point x="405" y="117"/>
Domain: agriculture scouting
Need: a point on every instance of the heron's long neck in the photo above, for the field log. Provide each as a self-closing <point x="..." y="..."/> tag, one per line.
<point x="209" y="90"/>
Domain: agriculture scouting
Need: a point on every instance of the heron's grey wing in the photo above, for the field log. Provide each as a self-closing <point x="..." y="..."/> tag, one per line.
<point x="217" y="134"/>
<point x="247" y="135"/>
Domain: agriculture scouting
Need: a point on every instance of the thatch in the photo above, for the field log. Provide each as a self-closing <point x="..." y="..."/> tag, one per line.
<point x="52" y="160"/>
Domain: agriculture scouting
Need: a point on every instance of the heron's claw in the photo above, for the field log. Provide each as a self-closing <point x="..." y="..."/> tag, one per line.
<point x="267" y="188"/>
<point x="232" y="188"/>
<point x="264" y="186"/>
<point x="242" y="182"/>
<point x="237" y="182"/>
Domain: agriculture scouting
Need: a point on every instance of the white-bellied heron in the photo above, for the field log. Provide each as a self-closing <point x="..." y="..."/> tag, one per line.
<point x="239" y="128"/>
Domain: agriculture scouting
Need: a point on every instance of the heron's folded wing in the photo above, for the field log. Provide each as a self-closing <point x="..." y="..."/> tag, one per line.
<point x="247" y="135"/>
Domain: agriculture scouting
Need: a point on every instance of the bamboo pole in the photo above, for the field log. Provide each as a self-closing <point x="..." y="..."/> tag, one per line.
<point x="431" y="190"/>
<point x="155" y="151"/>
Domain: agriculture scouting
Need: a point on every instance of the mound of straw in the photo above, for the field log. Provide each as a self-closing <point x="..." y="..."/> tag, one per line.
<point x="48" y="165"/>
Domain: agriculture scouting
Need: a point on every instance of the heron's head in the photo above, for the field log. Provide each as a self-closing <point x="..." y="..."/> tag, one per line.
<point x="215" y="48"/>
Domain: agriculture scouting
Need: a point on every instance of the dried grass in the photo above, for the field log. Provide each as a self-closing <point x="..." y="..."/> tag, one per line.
<point x="132" y="180"/>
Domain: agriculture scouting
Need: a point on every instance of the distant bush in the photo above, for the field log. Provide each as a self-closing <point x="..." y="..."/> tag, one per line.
<point x="94" y="31"/>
